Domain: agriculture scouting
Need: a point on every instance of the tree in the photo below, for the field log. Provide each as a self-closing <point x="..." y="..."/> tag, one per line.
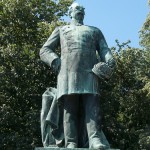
<point x="144" y="139"/>
<point x="124" y="99"/>
<point x="25" y="25"/>
<point x="145" y="32"/>
<point x="126" y="106"/>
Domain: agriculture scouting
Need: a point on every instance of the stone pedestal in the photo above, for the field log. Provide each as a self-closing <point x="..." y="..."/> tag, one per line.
<point x="56" y="148"/>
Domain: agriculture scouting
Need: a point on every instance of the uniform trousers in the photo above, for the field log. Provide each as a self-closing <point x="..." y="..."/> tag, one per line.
<point x="81" y="112"/>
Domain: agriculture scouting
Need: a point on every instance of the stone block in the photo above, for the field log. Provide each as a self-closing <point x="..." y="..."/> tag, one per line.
<point x="56" y="148"/>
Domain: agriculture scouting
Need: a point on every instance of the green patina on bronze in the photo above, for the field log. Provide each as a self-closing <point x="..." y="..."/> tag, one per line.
<point x="79" y="70"/>
<point x="79" y="44"/>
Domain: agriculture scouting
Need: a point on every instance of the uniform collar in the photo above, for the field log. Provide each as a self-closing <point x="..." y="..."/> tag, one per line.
<point x="74" y="22"/>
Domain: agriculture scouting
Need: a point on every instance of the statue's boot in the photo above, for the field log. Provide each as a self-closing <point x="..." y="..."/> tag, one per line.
<point x="97" y="144"/>
<point x="72" y="145"/>
<point x="93" y="121"/>
<point x="71" y="121"/>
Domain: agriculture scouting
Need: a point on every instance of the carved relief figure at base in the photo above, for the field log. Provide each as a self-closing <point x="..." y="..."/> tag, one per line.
<point x="71" y="113"/>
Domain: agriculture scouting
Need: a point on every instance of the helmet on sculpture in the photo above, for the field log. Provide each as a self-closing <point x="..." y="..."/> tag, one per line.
<point x="104" y="70"/>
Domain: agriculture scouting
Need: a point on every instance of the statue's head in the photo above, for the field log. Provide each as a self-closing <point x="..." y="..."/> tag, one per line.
<point x="76" y="12"/>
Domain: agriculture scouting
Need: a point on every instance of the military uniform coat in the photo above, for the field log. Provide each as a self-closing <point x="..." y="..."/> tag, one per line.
<point x="79" y="44"/>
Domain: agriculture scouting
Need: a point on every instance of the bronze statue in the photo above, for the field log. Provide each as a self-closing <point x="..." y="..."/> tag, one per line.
<point x="78" y="77"/>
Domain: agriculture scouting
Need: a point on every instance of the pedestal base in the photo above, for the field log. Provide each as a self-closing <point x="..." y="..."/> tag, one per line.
<point x="56" y="148"/>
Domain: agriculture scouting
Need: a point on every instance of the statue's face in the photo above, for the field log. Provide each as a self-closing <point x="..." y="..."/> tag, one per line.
<point x="78" y="13"/>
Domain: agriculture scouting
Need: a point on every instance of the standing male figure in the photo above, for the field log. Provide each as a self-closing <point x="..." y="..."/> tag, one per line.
<point x="78" y="74"/>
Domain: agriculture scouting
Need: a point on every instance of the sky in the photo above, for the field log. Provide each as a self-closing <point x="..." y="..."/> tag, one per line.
<point x="117" y="19"/>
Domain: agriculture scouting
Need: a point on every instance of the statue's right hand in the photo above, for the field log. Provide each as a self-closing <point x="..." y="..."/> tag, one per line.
<point x="56" y="65"/>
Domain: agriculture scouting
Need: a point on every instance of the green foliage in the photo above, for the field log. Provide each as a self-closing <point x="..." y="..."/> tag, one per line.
<point x="145" y="32"/>
<point x="126" y="105"/>
<point x="25" y="26"/>
<point x="126" y="100"/>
